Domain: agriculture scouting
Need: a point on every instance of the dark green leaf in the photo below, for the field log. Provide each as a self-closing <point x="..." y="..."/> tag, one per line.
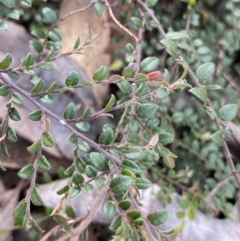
<point x="116" y="223"/>
<point x="134" y="215"/>
<point x="77" y="43"/>
<point x="72" y="79"/>
<point x="6" y="61"/>
<point x="35" y="115"/>
<point x="177" y="35"/>
<point x="52" y="87"/>
<point x="48" y="139"/>
<point x="17" y="99"/>
<point x="77" y="178"/>
<point x="125" y="205"/>
<point x="69" y="171"/>
<point x="4" y="150"/>
<point x="14" y="114"/>
<point x="110" y="103"/>
<point x="80" y="165"/>
<point x="26" y="172"/>
<point x="38" y="33"/>
<point x="55" y="35"/>
<point x="20" y="209"/>
<point x="38" y="87"/>
<point x="146" y="110"/>
<point x="90" y="171"/>
<point x="130" y="165"/>
<point x="73" y="138"/>
<point x="63" y="190"/>
<point x="36" y="46"/>
<point x="166" y="138"/>
<point x="125" y="87"/>
<point x="11" y="134"/>
<point x="4" y="90"/>
<point x="205" y="72"/>
<point x="86" y="113"/>
<point x="129" y="71"/>
<point x="99" y="161"/>
<point x="157" y="218"/>
<point x="29" y="60"/>
<point x="69" y="112"/>
<point x="107" y="137"/>
<point x="70" y="211"/>
<point x="134" y="155"/>
<point x="83" y="146"/>
<point x="43" y="164"/>
<point x="142" y="183"/>
<point x="100" y="74"/>
<point x="35" y="197"/>
<point x="120" y="185"/>
<point x="13" y="75"/>
<point x="49" y="15"/>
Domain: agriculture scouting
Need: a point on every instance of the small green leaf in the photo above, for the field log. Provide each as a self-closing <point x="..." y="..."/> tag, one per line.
<point x="20" y="209"/>
<point x="14" y="114"/>
<point x="29" y="60"/>
<point x="6" y="61"/>
<point x="157" y="218"/>
<point x="43" y="164"/>
<point x="146" y="110"/>
<point x="36" y="46"/>
<point x="4" y="90"/>
<point x="26" y="172"/>
<point x="99" y="161"/>
<point x="137" y="22"/>
<point x="100" y="74"/>
<point x="72" y="79"/>
<point x="17" y="99"/>
<point x="161" y="93"/>
<point x="88" y="188"/>
<point x="34" y="147"/>
<point x="80" y="165"/>
<point x="9" y="3"/>
<point x="73" y="138"/>
<point x="55" y="35"/>
<point x="83" y="146"/>
<point x="109" y="209"/>
<point x="69" y="210"/>
<point x="52" y="87"/>
<point x="97" y="9"/>
<point x="205" y="72"/>
<point x="142" y="183"/>
<point x="134" y="215"/>
<point x="47" y="99"/>
<point x="134" y="154"/>
<point x="69" y="171"/>
<point x="228" y="112"/>
<point x="35" y="197"/>
<point x="125" y="205"/>
<point x="149" y="64"/>
<point x="177" y="35"/>
<point x="38" y="87"/>
<point x="218" y="137"/>
<point x="77" y="178"/>
<point x="4" y="25"/>
<point x="77" y="43"/>
<point x="48" y="139"/>
<point x="90" y="171"/>
<point x="38" y="33"/>
<point x="35" y="115"/>
<point x="110" y="103"/>
<point x="180" y="214"/>
<point x="166" y="138"/>
<point x="74" y="191"/>
<point x="141" y="77"/>
<point x="171" y="47"/>
<point x="86" y="113"/>
<point x="100" y="181"/>
<point x="151" y="3"/>
<point x="69" y="112"/>
<point x="26" y="3"/>
<point x="14" y="14"/>
<point x="169" y="161"/>
<point x="49" y="15"/>
<point x="125" y="87"/>
<point x="4" y="150"/>
<point x="116" y="223"/>
<point x="107" y="137"/>
<point x="11" y="134"/>
<point x="13" y="75"/>
<point x="63" y="190"/>
<point x="83" y="126"/>
<point x="121" y="184"/>
<point x="199" y="93"/>
<point x="131" y="166"/>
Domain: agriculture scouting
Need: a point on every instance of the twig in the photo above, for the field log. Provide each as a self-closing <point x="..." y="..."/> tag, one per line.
<point x="117" y="22"/>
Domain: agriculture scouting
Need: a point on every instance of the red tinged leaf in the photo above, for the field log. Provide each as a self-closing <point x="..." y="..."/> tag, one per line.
<point x="155" y="75"/>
